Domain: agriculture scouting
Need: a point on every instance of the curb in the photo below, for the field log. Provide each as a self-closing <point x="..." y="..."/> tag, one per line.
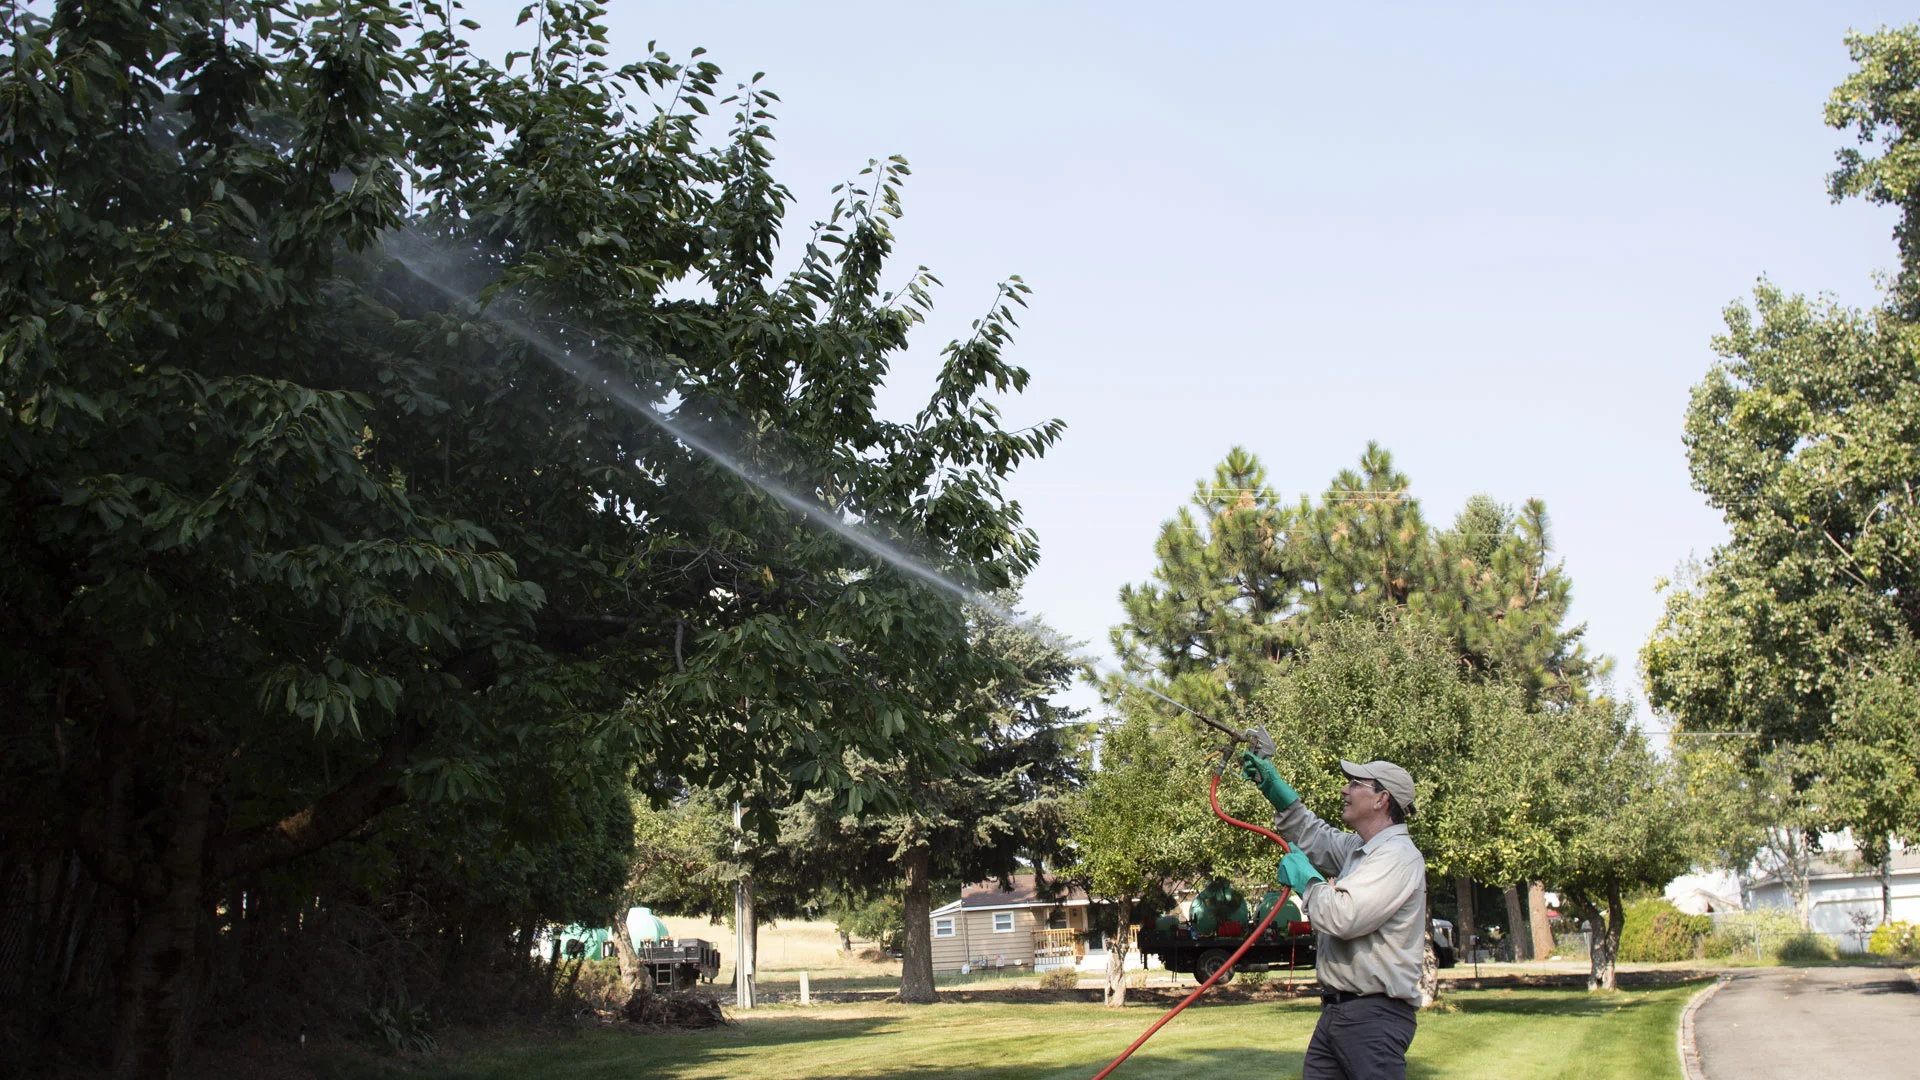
<point x="1690" y="1053"/>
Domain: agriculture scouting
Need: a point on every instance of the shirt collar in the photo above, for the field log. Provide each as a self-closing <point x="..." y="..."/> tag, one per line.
<point x="1384" y="834"/>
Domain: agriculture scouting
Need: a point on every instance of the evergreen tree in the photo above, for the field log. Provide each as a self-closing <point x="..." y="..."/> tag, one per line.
<point x="1224" y="598"/>
<point x="1364" y="548"/>
<point x="1491" y="584"/>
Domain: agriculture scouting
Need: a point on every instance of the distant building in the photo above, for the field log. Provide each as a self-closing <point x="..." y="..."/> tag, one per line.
<point x="1018" y="928"/>
<point x="1838" y="889"/>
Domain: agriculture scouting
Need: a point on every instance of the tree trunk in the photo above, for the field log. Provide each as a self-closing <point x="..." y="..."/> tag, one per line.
<point x="1886" y="880"/>
<point x="1429" y="986"/>
<point x="1464" y="934"/>
<point x="746" y="963"/>
<point x="630" y="974"/>
<point x="1606" y="939"/>
<point x="160" y="976"/>
<point x="1517" y="926"/>
<point x="916" y="949"/>
<point x="1116" y="995"/>
<point x="846" y="941"/>
<point x="1537" y="920"/>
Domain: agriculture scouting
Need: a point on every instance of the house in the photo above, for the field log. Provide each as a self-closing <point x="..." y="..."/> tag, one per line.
<point x="1016" y="928"/>
<point x="1844" y="898"/>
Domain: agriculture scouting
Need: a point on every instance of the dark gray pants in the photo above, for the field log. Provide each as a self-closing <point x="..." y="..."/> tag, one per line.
<point x="1362" y="1039"/>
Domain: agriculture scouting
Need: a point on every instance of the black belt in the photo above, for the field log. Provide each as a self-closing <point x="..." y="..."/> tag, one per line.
<point x="1341" y="997"/>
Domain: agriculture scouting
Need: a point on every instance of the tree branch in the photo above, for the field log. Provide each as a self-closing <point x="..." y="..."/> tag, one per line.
<point x="331" y="817"/>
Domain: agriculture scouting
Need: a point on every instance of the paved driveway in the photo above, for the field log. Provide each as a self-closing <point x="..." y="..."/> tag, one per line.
<point x="1856" y="1023"/>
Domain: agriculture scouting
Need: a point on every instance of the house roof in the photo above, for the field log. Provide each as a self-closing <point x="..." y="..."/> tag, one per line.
<point x="1025" y="893"/>
<point x="1902" y="862"/>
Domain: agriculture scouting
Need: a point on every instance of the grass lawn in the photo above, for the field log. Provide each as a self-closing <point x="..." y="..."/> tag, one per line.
<point x="1512" y="1034"/>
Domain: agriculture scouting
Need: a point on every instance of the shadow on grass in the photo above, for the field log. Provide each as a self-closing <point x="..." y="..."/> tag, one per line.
<point x="1222" y="1062"/>
<point x="572" y="1055"/>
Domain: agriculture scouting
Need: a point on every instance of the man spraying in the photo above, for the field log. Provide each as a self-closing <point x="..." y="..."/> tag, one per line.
<point x="1370" y="922"/>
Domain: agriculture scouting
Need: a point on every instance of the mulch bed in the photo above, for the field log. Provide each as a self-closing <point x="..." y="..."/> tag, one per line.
<point x="675" y="1012"/>
<point x="1661" y="977"/>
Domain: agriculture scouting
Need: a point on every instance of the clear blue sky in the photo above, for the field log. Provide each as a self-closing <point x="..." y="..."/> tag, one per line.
<point x="1498" y="239"/>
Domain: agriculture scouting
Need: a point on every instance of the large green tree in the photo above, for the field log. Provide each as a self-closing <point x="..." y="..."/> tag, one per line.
<point x="1806" y="438"/>
<point x="1387" y="687"/>
<point x="296" y="535"/>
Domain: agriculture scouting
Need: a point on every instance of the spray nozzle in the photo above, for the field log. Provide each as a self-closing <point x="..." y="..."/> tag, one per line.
<point x="1258" y="741"/>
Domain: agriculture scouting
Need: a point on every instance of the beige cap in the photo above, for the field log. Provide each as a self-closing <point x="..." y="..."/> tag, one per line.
<point x="1397" y="781"/>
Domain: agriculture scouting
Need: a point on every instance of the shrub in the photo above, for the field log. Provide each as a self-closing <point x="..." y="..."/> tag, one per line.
<point x="1059" y="979"/>
<point x="598" y="987"/>
<point x="1895" y="939"/>
<point x="1253" y="980"/>
<point x="398" y="1023"/>
<point x="1657" y="932"/>
<point x="1801" y="947"/>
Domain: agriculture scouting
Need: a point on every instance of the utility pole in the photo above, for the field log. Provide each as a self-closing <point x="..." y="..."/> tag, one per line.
<point x="743" y="929"/>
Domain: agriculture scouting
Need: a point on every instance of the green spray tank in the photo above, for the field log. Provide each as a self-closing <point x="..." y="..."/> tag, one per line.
<point x="644" y="925"/>
<point x="1219" y="902"/>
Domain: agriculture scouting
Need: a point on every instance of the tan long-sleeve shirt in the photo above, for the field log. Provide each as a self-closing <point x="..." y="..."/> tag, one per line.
<point x="1370" y="922"/>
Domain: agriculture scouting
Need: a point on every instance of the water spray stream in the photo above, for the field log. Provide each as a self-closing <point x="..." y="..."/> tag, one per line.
<point x="571" y="362"/>
<point x="411" y="250"/>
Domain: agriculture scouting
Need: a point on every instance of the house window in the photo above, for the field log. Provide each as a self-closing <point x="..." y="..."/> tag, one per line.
<point x="1003" y="922"/>
<point x="1096" y="941"/>
<point x="943" y="927"/>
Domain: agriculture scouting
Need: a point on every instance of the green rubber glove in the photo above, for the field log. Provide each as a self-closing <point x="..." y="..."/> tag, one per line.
<point x="1296" y="872"/>
<point x="1261" y="771"/>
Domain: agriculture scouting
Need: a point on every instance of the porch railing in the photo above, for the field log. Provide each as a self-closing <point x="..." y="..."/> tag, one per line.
<point x="1058" y="944"/>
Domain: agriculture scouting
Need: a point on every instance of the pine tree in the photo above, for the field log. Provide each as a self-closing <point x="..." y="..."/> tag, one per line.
<point x="1364" y="548"/>
<point x="1490" y="583"/>
<point x="1224" y="600"/>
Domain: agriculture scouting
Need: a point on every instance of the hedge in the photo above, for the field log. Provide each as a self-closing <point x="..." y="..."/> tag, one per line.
<point x="1656" y="932"/>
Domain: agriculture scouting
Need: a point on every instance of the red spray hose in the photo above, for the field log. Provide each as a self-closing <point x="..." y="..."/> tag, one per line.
<point x="1213" y="796"/>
